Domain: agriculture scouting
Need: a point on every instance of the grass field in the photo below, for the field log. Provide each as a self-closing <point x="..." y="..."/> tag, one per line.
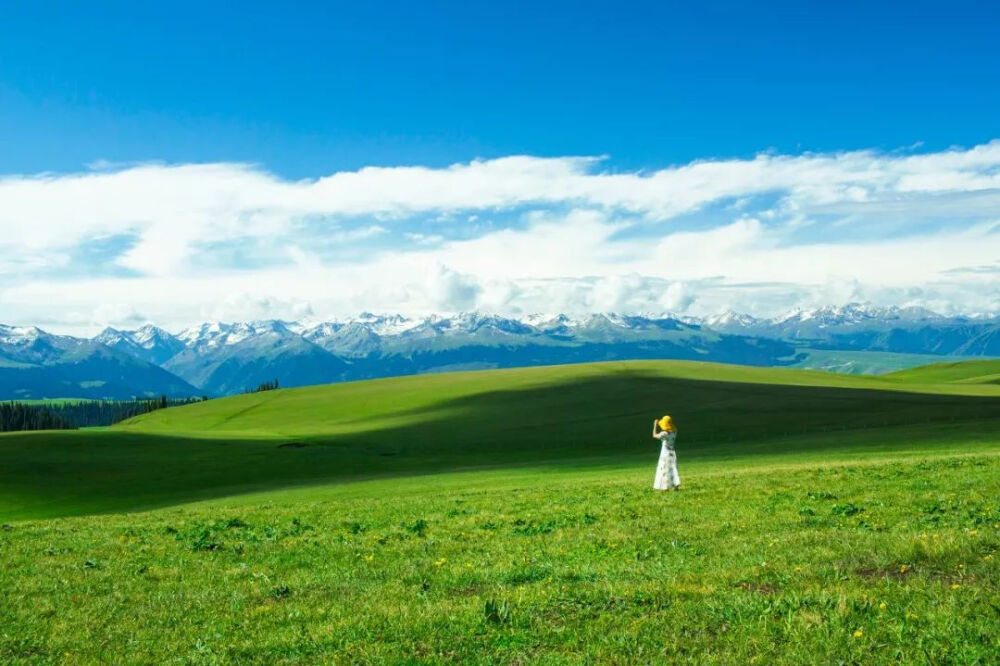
<point x="507" y="517"/>
<point x="966" y="372"/>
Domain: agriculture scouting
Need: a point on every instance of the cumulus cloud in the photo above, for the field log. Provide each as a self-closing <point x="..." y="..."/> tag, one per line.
<point x="449" y="290"/>
<point x="512" y="234"/>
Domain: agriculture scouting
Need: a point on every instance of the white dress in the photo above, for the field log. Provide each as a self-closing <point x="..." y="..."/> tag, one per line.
<point x="666" y="470"/>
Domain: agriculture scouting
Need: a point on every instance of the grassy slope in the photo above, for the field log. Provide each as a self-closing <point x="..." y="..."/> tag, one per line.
<point x="871" y="537"/>
<point x="346" y="407"/>
<point x="553" y="416"/>
<point x="875" y="561"/>
<point x="962" y="372"/>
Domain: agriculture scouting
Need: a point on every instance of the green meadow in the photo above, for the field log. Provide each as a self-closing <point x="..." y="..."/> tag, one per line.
<point x="508" y="517"/>
<point x="966" y="372"/>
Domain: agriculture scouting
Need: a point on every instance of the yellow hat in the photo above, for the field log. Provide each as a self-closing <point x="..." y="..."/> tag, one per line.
<point x="666" y="423"/>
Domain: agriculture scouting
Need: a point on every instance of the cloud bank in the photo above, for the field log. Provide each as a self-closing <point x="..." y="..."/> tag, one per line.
<point x="181" y="243"/>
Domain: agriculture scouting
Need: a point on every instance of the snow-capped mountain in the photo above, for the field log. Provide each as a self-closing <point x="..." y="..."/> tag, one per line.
<point x="29" y="344"/>
<point x="149" y="343"/>
<point x="217" y="334"/>
<point x="36" y="364"/>
<point x="730" y="320"/>
<point x="856" y="313"/>
<point x="17" y="335"/>
<point x="349" y="339"/>
<point x="230" y="357"/>
<point x="851" y="314"/>
<point x="220" y="358"/>
<point x="867" y="327"/>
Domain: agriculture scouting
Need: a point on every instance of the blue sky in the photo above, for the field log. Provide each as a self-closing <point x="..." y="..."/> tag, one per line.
<point x="172" y="147"/>
<point x="333" y="86"/>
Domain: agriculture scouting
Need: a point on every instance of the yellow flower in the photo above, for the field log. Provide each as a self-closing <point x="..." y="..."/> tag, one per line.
<point x="955" y="586"/>
<point x="440" y="562"/>
<point x="858" y="633"/>
<point x="798" y="569"/>
<point x="882" y="606"/>
<point x="973" y="532"/>
<point x="911" y="616"/>
<point x="369" y="558"/>
<point x="903" y="569"/>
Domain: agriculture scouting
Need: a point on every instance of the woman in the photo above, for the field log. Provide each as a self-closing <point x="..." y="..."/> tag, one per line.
<point x="666" y="471"/>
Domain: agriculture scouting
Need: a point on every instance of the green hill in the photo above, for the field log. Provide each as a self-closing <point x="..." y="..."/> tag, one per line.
<point x="554" y="415"/>
<point x="823" y="519"/>
<point x="962" y="372"/>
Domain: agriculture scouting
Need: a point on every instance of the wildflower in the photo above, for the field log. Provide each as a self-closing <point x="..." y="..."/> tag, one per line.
<point x="858" y="633"/>
<point x="973" y="532"/>
<point x="955" y="586"/>
<point x="882" y="606"/>
<point x="369" y="558"/>
<point x="911" y="616"/>
<point x="440" y="562"/>
<point x="798" y="569"/>
<point x="903" y="569"/>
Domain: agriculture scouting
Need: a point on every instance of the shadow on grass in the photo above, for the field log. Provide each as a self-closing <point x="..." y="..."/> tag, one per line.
<point x="603" y="418"/>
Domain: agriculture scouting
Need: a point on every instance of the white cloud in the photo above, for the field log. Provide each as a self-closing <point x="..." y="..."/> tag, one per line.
<point x="533" y="234"/>
<point x="450" y="291"/>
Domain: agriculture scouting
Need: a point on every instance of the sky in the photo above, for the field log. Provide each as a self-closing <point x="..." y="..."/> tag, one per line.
<point x="183" y="162"/>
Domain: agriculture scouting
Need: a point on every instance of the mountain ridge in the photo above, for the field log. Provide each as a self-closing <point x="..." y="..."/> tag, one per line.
<point x="224" y="358"/>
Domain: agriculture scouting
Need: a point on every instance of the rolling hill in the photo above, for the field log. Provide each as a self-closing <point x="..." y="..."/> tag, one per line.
<point x="430" y="423"/>
<point x="506" y="517"/>
<point x="965" y="372"/>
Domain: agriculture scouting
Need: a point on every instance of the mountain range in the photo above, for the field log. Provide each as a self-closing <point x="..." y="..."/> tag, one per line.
<point x="220" y="359"/>
<point x="865" y="327"/>
<point x="36" y="364"/>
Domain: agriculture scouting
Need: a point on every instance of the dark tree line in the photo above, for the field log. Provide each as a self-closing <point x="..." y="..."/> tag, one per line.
<point x="18" y="416"/>
<point x="84" y="414"/>
<point x="266" y="386"/>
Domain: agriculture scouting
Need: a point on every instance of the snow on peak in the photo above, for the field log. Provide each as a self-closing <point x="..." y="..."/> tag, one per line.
<point x="110" y="336"/>
<point x="730" y="318"/>
<point x="204" y="335"/>
<point x="149" y="335"/>
<point x="19" y="334"/>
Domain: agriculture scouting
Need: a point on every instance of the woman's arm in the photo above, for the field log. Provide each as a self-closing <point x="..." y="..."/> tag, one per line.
<point x="655" y="424"/>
